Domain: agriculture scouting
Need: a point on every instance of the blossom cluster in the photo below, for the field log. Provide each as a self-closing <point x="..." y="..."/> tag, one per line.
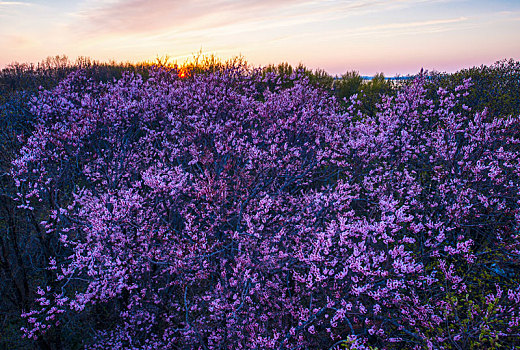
<point x="223" y="211"/>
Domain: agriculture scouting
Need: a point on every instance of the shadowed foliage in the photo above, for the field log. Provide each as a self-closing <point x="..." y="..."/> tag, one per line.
<point x="220" y="206"/>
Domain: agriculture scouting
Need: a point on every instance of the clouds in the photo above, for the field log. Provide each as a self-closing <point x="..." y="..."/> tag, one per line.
<point x="19" y="41"/>
<point x="142" y="16"/>
<point x="353" y="34"/>
<point x="13" y="3"/>
<point x="225" y="26"/>
<point x="408" y="27"/>
<point x="10" y="8"/>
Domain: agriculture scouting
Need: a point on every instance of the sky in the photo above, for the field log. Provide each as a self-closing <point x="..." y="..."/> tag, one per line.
<point x="396" y="37"/>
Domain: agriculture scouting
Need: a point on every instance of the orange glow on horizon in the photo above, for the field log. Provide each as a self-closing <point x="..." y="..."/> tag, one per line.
<point x="183" y="73"/>
<point x="396" y="37"/>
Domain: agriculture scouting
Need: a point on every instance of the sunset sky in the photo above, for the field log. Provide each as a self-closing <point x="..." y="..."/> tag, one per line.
<point x="390" y="36"/>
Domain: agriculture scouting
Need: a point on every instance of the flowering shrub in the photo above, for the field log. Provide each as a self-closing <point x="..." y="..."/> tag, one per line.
<point x="212" y="212"/>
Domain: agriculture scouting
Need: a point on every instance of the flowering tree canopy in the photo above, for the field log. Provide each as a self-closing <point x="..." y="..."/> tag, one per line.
<point x="221" y="211"/>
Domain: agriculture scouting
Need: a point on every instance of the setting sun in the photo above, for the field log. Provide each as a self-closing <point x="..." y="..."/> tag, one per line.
<point x="369" y="36"/>
<point x="183" y="73"/>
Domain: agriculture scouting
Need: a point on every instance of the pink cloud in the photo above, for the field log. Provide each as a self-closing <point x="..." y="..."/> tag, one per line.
<point x="138" y="16"/>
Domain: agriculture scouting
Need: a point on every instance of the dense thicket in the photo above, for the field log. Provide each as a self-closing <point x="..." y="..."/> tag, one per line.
<point x="495" y="88"/>
<point x="260" y="208"/>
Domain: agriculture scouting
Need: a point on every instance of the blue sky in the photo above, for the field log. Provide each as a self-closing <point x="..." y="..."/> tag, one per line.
<point x="390" y="36"/>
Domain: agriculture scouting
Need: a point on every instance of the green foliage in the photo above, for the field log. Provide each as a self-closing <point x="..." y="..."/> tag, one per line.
<point x="372" y="91"/>
<point x="286" y="72"/>
<point x="48" y="73"/>
<point x="495" y="87"/>
<point x="349" y="84"/>
<point x="321" y="78"/>
<point x="368" y="92"/>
